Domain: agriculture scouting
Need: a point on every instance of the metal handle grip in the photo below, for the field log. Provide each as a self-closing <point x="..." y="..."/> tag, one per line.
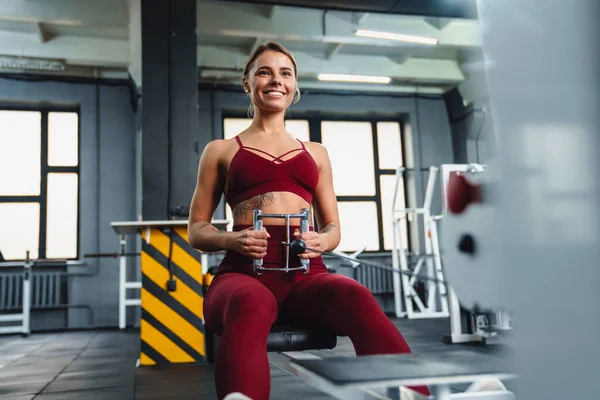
<point x="304" y="227"/>
<point x="258" y="226"/>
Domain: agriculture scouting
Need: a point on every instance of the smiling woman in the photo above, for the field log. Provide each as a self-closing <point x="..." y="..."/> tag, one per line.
<point x="266" y="168"/>
<point x="284" y="64"/>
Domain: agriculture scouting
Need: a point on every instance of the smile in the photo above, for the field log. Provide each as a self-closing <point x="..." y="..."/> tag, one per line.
<point x="274" y="93"/>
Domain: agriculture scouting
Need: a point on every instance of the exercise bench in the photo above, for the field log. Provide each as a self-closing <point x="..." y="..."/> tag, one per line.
<point x="386" y="377"/>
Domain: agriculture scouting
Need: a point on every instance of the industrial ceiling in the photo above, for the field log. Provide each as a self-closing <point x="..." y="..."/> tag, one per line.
<point x="100" y="38"/>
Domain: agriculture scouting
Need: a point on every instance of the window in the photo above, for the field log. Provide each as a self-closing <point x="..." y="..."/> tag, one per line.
<point x="39" y="191"/>
<point x="350" y="148"/>
<point x="364" y="158"/>
<point x="364" y="155"/>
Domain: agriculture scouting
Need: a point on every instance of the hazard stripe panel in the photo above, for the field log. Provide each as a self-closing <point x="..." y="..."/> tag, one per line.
<point x="160" y="267"/>
<point x="185" y="296"/>
<point x="145" y="360"/>
<point x="181" y="238"/>
<point x="172" y="326"/>
<point x="179" y="256"/>
<point x="153" y="355"/>
<point x="163" y="345"/>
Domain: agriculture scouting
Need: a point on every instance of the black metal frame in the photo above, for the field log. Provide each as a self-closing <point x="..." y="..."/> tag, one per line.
<point x="314" y="125"/>
<point x="46" y="169"/>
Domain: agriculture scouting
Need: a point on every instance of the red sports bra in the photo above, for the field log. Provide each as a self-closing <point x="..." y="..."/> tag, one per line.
<point x="251" y="174"/>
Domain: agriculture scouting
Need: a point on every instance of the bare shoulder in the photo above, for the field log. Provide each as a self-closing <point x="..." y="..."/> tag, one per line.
<point x="218" y="149"/>
<point x="318" y="151"/>
<point x="216" y="146"/>
<point x="316" y="148"/>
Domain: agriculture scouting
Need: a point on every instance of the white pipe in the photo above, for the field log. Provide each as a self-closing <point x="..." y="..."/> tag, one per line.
<point x="433" y="170"/>
<point x="122" y="284"/>
<point x="27" y="300"/>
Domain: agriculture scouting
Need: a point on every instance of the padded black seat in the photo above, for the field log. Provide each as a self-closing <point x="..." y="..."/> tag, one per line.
<point x="286" y="337"/>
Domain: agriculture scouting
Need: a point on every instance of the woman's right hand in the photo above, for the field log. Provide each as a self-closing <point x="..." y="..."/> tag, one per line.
<point x="251" y="243"/>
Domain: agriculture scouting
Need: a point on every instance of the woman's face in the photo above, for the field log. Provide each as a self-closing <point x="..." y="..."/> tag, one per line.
<point x="271" y="81"/>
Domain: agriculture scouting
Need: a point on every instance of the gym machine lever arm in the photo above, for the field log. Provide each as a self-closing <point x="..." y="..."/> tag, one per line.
<point x="298" y="246"/>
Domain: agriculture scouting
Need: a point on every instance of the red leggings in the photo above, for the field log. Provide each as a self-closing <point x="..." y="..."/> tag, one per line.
<point x="241" y="307"/>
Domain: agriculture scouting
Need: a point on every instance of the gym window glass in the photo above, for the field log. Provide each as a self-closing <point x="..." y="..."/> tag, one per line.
<point x="39" y="191"/>
<point x="364" y="155"/>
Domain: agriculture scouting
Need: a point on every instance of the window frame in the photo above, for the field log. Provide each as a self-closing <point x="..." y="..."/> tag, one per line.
<point x="45" y="170"/>
<point x="314" y="126"/>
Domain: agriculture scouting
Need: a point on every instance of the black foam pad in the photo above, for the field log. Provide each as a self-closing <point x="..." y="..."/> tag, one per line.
<point x="285" y="337"/>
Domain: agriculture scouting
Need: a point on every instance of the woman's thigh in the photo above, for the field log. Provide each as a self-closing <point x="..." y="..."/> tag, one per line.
<point x="237" y="296"/>
<point x="324" y="299"/>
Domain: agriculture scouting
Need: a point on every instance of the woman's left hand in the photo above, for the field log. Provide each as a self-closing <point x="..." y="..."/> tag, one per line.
<point x="313" y="240"/>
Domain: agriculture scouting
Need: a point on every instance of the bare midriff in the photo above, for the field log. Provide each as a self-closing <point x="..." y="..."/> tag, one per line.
<point x="271" y="203"/>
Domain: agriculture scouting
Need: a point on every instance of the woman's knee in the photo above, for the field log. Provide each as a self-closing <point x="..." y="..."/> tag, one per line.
<point x="253" y="300"/>
<point x="251" y="303"/>
<point x="351" y="293"/>
<point x="238" y="298"/>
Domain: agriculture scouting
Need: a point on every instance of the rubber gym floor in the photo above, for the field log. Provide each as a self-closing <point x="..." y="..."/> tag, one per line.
<point x="102" y="365"/>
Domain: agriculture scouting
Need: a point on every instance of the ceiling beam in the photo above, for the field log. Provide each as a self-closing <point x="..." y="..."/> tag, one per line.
<point x="88" y="13"/>
<point x="336" y="27"/>
<point x="307" y="85"/>
<point x="430" y="8"/>
<point x="43" y="35"/>
<point x="360" y="17"/>
<point x="257" y="42"/>
<point x="271" y="11"/>
<point x="438" y="23"/>
<point x="412" y="70"/>
<point x="72" y="49"/>
<point x="116" y="53"/>
<point x="400" y="59"/>
<point x="333" y="50"/>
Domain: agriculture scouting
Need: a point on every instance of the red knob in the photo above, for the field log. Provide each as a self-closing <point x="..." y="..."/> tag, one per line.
<point x="461" y="193"/>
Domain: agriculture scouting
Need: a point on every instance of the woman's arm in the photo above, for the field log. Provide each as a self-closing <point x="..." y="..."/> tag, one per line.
<point x="325" y="202"/>
<point x="209" y="188"/>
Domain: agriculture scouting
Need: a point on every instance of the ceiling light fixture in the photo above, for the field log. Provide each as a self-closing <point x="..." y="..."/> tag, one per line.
<point x="354" y="78"/>
<point x="396" y="36"/>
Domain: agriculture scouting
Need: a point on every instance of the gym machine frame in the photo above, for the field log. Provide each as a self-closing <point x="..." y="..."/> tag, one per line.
<point x="124" y="228"/>
<point x="404" y="286"/>
<point x="304" y="227"/>
<point x="24" y="317"/>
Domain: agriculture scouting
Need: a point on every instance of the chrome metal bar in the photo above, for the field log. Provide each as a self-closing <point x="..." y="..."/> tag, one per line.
<point x="258" y="217"/>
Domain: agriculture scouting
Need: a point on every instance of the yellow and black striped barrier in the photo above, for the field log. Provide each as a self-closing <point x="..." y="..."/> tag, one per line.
<point x="172" y="325"/>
